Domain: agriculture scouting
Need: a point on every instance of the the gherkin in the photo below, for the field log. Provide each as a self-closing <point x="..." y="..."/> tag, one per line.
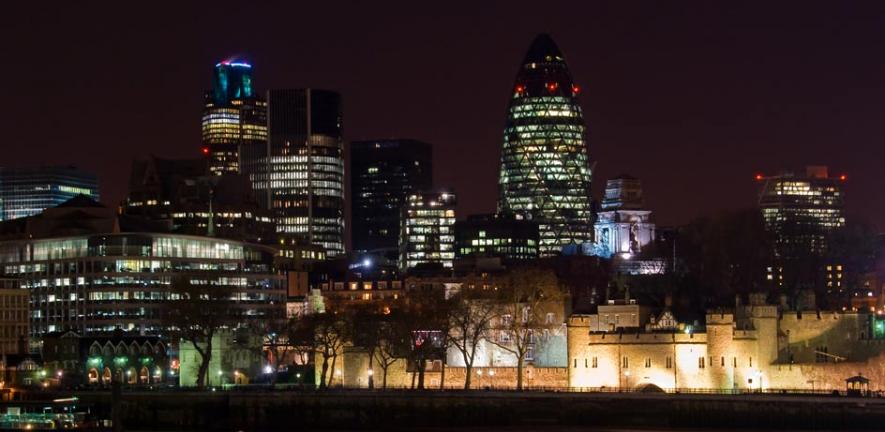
<point x="545" y="173"/>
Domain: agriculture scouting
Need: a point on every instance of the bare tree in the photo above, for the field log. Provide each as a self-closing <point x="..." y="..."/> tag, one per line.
<point x="302" y="339"/>
<point x="202" y="309"/>
<point x="331" y="331"/>
<point x="529" y="302"/>
<point x="425" y="323"/>
<point x="393" y="344"/>
<point x="278" y="343"/>
<point x="470" y="315"/>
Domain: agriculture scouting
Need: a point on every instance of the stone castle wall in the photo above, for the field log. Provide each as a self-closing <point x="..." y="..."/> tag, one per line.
<point x="354" y="373"/>
<point x="761" y="351"/>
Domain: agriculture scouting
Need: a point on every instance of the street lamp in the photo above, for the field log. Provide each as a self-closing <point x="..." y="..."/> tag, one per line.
<point x="627" y="379"/>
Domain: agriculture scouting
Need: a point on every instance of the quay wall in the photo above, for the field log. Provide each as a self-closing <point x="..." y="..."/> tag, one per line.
<point x="266" y="410"/>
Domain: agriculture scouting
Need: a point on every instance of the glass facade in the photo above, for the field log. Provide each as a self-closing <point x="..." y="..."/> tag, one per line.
<point x="304" y="181"/>
<point x="500" y="235"/>
<point x="802" y="211"/>
<point x="99" y="283"/>
<point x="234" y="126"/>
<point x="383" y="174"/>
<point x="28" y="191"/>
<point x="427" y="230"/>
<point x="545" y="173"/>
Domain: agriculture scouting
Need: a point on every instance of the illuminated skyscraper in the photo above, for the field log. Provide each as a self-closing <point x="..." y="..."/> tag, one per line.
<point x="801" y="211"/>
<point x="305" y="170"/>
<point x="427" y="230"/>
<point x="234" y="122"/>
<point x="28" y="191"/>
<point x="382" y="174"/>
<point x="545" y="173"/>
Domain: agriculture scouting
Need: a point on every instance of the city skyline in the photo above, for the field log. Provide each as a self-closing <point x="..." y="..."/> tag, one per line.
<point x="671" y="95"/>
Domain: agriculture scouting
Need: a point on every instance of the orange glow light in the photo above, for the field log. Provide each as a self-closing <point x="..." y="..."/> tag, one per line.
<point x="843" y="177"/>
<point x="759" y="177"/>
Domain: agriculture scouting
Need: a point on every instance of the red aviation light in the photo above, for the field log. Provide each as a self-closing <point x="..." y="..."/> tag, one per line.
<point x="575" y="89"/>
<point x="843" y="177"/>
<point x="205" y="150"/>
<point x="552" y="86"/>
<point x="759" y="177"/>
<point x="520" y="89"/>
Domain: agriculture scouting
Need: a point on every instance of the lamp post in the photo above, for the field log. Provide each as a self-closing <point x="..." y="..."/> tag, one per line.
<point x="627" y="379"/>
<point x="371" y="374"/>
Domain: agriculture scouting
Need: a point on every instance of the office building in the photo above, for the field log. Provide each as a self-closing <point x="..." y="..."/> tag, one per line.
<point x="234" y="126"/>
<point x="183" y="195"/>
<point x="383" y="173"/>
<point x="801" y="213"/>
<point x="14" y="318"/>
<point x="305" y="182"/>
<point x="28" y="191"/>
<point x="91" y="270"/>
<point x="545" y="173"/>
<point x="427" y="228"/>
<point x="496" y="235"/>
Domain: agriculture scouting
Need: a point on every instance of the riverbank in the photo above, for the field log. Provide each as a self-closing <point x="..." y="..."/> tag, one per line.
<point x="407" y="409"/>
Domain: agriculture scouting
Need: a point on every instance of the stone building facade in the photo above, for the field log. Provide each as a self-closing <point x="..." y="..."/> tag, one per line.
<point x="752" y="347"/>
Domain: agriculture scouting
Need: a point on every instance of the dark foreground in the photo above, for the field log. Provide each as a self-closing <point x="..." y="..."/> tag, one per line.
<point x="261" y="411"/>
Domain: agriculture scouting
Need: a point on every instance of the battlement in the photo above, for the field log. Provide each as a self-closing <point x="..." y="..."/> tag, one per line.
<point x="761" y="311"/>
<point x="579" y="320"/>
<point x="719" y="318"/>
<point x="647" y="338"/>
<point x="792" y="316"/>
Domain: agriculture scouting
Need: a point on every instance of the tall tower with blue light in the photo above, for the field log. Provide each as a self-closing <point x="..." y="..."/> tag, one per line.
<point x="234" y="127"/>
<point x="545" y="172"/>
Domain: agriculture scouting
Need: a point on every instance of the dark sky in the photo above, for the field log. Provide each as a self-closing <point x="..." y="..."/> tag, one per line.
<point x="692" y="97"/>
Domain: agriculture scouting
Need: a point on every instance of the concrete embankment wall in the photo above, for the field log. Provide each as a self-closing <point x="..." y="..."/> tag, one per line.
<point x="368" y="410"/>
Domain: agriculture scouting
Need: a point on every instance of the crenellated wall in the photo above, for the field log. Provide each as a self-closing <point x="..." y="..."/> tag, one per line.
<point x="748" y="350"/>
<point x="751" y="352"/>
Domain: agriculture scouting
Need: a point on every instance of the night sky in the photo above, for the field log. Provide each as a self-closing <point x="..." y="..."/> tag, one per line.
<point x="694" y="98"/>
